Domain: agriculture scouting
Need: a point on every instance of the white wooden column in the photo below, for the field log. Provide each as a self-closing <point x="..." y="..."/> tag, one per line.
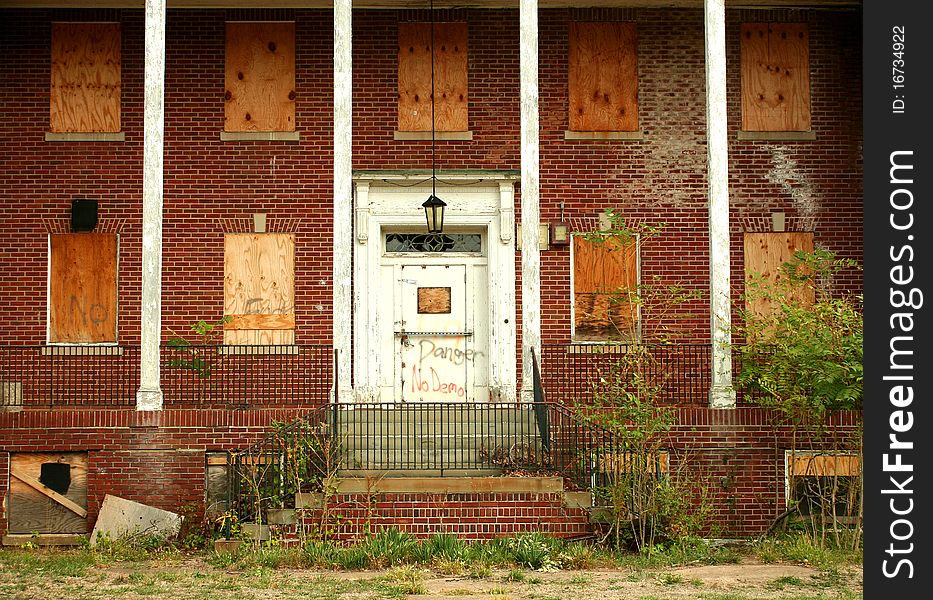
<point x="149" y="396"/>
<point x="343" y="193"/>
<point x="722" y="394"/>
<point x="531" y="260"/>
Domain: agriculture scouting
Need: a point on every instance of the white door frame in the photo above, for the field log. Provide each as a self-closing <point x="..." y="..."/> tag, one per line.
<point x="392" y="202"/>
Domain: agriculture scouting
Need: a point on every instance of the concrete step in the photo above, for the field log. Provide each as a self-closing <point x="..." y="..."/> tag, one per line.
<point x="456" y="413"/>
<point x="489" y="442"/>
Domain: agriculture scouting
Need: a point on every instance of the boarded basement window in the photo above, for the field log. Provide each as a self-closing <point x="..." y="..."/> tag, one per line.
<point x="48" y="492"/>
<point x="450" y="77"/>
<point x="827" y="484"/>
<point x="85" y="83"/>
<point x="775" y="61"/>
<point x="216" y="484"/>
<point x="83" y="288"/>
<point x="765" y="253"/>
<point x="259" y="288"/>
<point x="603" y="77"/>
<point x="260" y="77"/>
<point x="605" y="277"/>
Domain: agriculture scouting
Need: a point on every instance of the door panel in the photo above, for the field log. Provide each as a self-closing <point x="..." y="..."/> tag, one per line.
<point x="434" y="340"/>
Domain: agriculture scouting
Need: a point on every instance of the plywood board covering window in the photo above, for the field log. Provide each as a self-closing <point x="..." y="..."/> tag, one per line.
<point x="825" y="483"/>
<point x="603" y="77"/>
<point x="775" y="61"/>
<point x="85" y="83"/>
<point x="260" y="77"/>
<point x="451" y="111"/>
<point x="765" y="253"/>
<point x="605" y="280"/>
<point x="83" y="288"/>
<point x="48" y="492"/>
<point x="259" y="288"/>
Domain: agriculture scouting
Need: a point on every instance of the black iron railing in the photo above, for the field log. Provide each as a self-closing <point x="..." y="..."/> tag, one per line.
<point x="202" y="376"/>
<point x="572" y="371"/>
<point x="294" y="457"/>
<point x="439" y="437"/>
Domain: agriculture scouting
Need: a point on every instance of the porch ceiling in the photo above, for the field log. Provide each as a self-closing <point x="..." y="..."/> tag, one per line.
<point x="403" y="4"/>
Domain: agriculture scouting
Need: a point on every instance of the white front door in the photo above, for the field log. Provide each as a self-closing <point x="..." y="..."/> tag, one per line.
<point x="434" y="338"/>
<point x="465" y="355"/>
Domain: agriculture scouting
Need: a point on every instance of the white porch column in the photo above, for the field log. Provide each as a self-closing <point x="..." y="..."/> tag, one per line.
<point x="531" y="276"/>
<point x="722" y="394"/>
<point x="149" y="396"/>
<point x="343" y="192"/>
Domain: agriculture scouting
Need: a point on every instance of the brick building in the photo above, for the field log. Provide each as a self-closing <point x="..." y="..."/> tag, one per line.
<point x="287" y="192"/>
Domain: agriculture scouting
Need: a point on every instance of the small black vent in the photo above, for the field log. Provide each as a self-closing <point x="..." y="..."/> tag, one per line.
<point x="83" y="214"/>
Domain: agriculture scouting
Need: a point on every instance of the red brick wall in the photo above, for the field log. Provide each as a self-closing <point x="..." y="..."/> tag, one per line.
<point x="735" y="456"/>
<point x="212" y="187"/>
<point x="468" y="516"/>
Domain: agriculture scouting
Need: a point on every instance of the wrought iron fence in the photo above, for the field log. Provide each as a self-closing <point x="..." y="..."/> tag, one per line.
<point x="572" y="372"/>
<point x="69" y="375"/>
<point x="439" y="437"/>
<point x="203" y="376"/>
<point x="287" y="375"/>
<point x="294" y="457"/>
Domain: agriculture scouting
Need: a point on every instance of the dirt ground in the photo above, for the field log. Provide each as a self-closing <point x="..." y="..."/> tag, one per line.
<point x="194" y="579"/>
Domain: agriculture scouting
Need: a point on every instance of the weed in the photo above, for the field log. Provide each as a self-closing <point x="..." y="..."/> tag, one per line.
<point x="480" y="570"/>
<point x="670" y="579"/>
<point x="781" y="582"/>
<point x="389" y="547"/>
<point x="405" y="580"/>
<point x="446" y="566"/>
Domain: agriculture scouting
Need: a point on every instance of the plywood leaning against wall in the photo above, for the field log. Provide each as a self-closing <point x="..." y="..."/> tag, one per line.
<point x="775" y="61"/>
<point x="604" y="275"/>
<point x="260" y="77"/>
<point x="603" y="77"/>
<point x="85" y="86"/>
<point x="764" y="255"/>
<point x="83" y="288"/>
<point x="451" y="108"/>
<point x="259" y="288"/>
<point x="48" y="492"/>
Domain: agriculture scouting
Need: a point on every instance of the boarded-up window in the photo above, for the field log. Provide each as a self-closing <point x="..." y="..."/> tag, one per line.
<point x="765" y="253"/>
<point x="605" y="285"/>
<point x="450" y="77"/>
<point x="824" y="483"/>
<point x="83" y="288"/>
<point x="48" y="492"/>
<point x="603" y="77"/>
<point x="775" y="77"/>
<point x="85" y="86"/>
<point x="259" y="288"/>
<point x="260" y="77"/>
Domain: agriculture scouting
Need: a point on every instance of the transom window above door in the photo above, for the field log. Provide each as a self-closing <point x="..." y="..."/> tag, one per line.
<point x="433" y="242"/>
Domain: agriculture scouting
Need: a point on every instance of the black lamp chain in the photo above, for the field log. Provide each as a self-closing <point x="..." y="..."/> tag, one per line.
<point x="433" y="155"/>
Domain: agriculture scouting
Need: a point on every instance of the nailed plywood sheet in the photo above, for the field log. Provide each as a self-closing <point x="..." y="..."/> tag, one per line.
<point x="260" y="77"/>
<point x="259" y="288"/>
<point x="764" y="255"/>
<point x="83" y="287"/>
<point x="451" y="107"/>
<point x="604" y="273"/>
<point x="824" y="465"/>
<point x="434" y="300"/>
<point x="775" y="59"/>
<point x="85" y="85"/>
<point x="603" y="77"/>
<point x="32" y="509"/>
